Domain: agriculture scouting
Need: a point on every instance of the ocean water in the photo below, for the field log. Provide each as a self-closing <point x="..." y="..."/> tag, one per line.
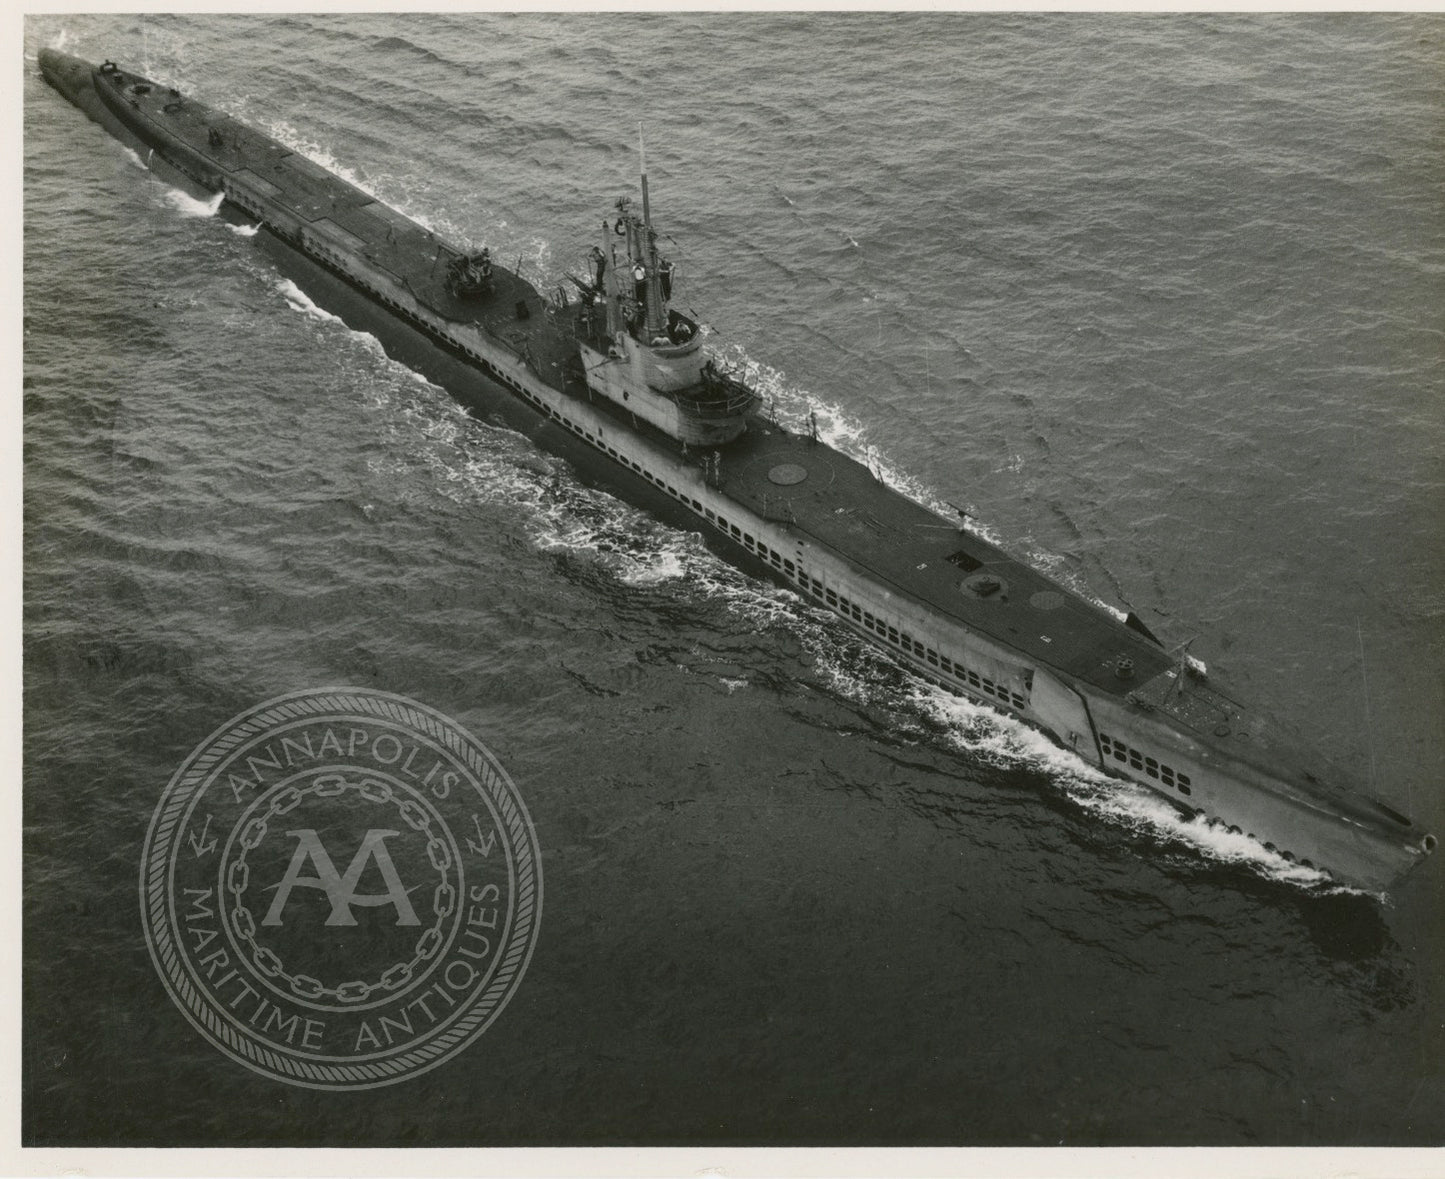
<point x="1155" y="297"/>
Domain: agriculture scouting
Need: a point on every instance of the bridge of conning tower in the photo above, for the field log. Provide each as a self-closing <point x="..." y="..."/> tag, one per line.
<point x="641" y="352"/>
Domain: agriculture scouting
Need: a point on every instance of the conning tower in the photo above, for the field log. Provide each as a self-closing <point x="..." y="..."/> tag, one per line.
<point x="641" y="352"/>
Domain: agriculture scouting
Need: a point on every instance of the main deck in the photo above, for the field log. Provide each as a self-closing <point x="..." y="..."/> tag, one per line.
<point x="838" y="502"/>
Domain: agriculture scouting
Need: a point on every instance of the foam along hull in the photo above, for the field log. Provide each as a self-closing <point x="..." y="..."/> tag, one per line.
<point x="948" y="603"/>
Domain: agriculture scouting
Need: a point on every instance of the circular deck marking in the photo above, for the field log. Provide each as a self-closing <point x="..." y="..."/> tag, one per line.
<point x="341" y="888"/>
<point x="786" y="474"/>
<point x="1046" y="600"/>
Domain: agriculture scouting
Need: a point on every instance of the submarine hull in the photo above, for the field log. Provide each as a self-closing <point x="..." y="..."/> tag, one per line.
<point x="959" y="611"/>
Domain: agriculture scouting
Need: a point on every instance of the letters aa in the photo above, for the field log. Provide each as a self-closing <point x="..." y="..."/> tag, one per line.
<point x="341" y="890"/>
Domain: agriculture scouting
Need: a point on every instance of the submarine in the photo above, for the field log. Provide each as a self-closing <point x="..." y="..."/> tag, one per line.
<point x="612" y="369"/>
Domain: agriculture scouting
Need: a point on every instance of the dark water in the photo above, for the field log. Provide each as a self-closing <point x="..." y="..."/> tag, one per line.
<point x="1157" y="297"/>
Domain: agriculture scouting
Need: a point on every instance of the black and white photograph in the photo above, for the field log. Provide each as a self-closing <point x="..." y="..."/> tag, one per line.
<point x="732" y="579"/>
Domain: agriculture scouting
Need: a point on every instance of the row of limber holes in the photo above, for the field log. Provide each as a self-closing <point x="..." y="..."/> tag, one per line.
<point x="810" y="584"/>
<point x="1170" y="777"/>
<point x="1149" y="765"/>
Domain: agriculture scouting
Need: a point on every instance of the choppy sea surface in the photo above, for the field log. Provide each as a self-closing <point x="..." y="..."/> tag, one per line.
<point x="1157" y="298"/>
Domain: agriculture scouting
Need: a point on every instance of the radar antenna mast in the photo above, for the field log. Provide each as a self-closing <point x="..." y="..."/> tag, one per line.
<point x="656" y="323"/>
